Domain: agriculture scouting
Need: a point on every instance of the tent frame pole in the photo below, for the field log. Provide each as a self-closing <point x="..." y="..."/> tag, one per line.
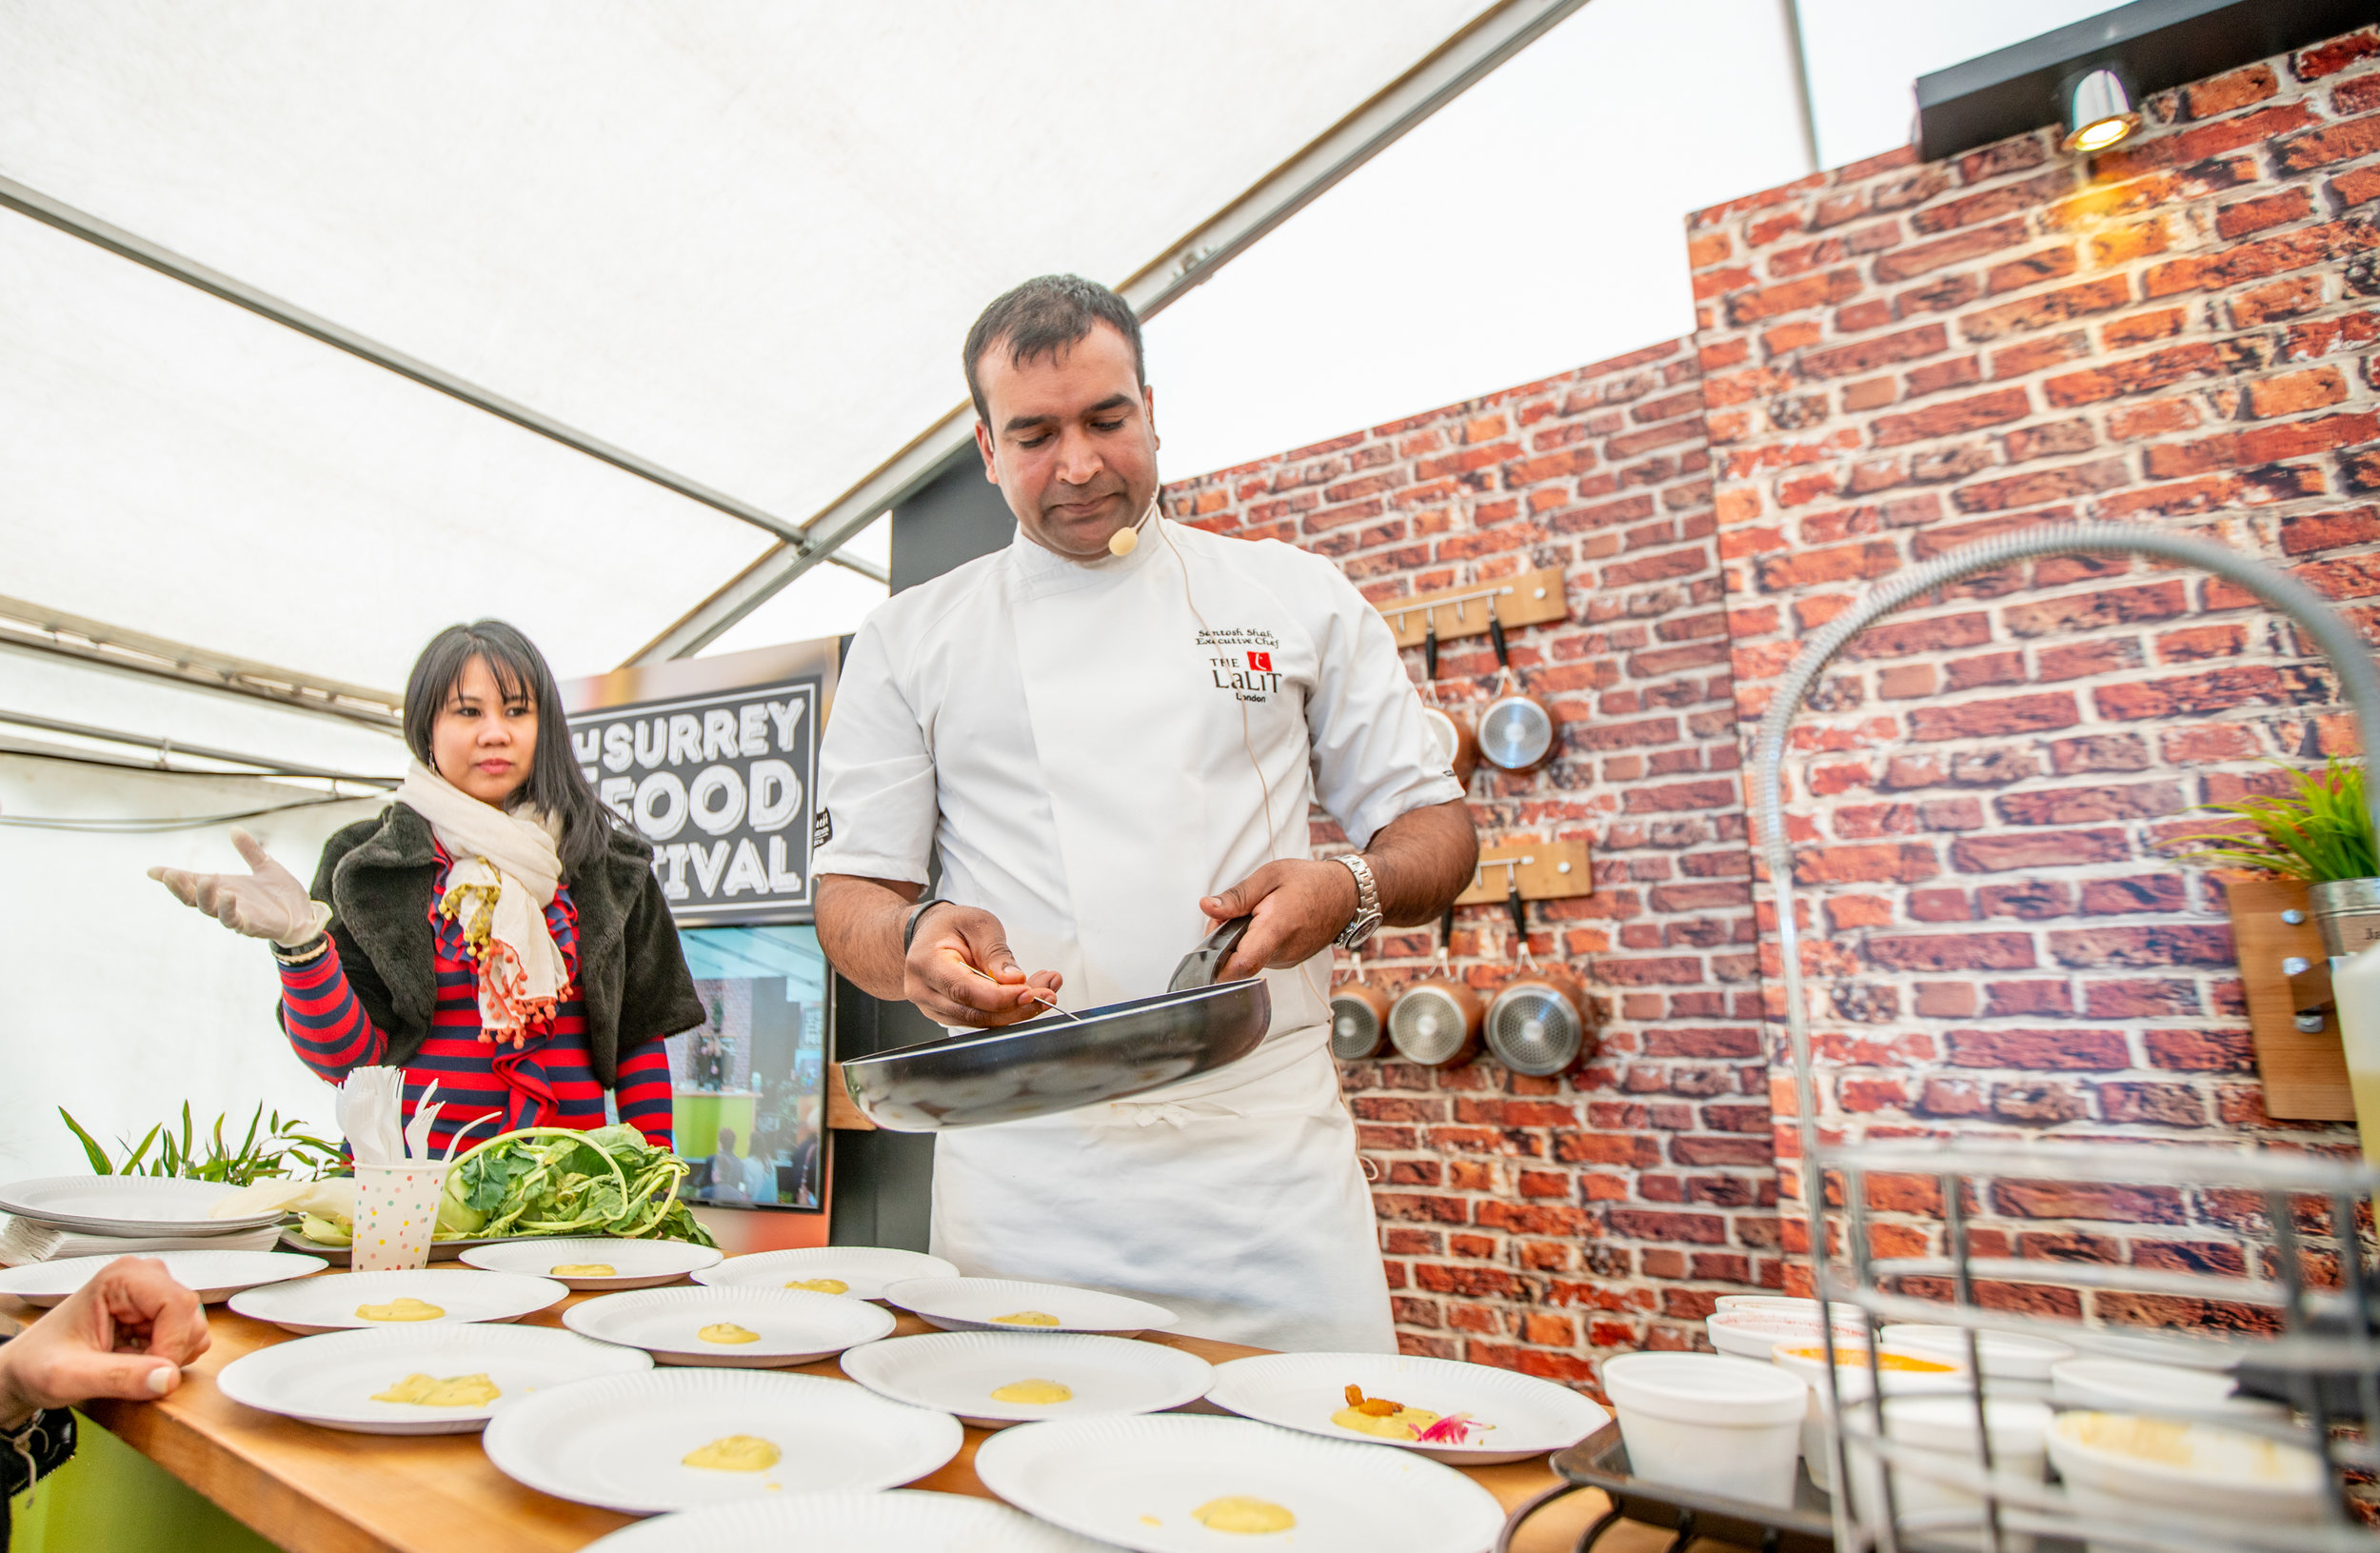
<point x="1497" y="33"/>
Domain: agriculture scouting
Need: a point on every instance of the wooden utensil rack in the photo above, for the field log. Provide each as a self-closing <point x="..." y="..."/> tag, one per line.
<point x="1530" y="598"/>
<point x="1546" y="870"/>
<point x="2303" y="1072"/>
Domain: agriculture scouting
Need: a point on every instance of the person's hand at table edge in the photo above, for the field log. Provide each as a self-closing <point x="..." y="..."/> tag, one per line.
<point x="125" y="1334"/>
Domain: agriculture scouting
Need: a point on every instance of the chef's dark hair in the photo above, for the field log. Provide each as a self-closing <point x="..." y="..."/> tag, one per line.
<point x="556" y="784"/>
<point x="1046" y="315"/>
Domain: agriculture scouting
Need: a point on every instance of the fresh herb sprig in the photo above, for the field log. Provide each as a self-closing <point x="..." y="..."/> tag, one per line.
<point x="272" y="1147"/>
<point x="555" y="1181"/>
<point x="2318" y="831"/>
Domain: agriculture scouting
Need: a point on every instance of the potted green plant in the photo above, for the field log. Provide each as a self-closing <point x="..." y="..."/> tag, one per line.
<point x="2317" y="833"/>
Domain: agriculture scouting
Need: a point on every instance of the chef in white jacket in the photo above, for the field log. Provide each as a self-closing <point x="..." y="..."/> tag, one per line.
<point x="1109" y="733"/>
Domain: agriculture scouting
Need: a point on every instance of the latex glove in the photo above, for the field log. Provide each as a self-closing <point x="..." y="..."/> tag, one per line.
<point x="126" y="1333"/>
<point x="270" y="903"/>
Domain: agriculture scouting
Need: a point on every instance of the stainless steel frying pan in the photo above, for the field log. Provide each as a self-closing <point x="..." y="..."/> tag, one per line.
<point x="1516" y="731"/>
<point x="1065" y="1061"/>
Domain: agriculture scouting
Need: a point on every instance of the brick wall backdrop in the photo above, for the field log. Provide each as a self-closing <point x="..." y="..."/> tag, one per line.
<point x="1902" y="358"/>
<point x="1531" y="1222"/>
<point x="1898" y="359"/>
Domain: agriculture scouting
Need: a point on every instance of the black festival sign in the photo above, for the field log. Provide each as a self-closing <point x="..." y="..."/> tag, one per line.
<point x="722" y="785"/>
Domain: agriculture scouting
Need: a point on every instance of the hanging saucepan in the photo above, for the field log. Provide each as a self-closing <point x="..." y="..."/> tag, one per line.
<point x="1451" y="738"/>
<point x="1359" y="1019"/>
<point x="1536" y="1024"/>
<point x="1436" y="1022"/>
<point x="1516" y="730"/>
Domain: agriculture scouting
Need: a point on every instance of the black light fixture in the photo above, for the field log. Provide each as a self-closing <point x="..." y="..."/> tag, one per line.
<point x="2092" y="76"/>
<point x="2099" y="110"/>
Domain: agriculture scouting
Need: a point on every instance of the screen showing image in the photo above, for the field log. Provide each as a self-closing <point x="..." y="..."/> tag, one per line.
<point x="749" y="1081"/>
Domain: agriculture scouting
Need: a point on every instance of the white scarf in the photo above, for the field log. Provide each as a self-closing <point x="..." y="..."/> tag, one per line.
<point x="505" y="870"/>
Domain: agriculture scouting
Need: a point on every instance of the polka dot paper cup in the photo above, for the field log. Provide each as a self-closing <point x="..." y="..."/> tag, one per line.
<point x="396" y="1211"/>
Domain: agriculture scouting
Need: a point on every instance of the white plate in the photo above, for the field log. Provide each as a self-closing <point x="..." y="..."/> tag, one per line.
<point x="867" y="1269"/>
<point x="1302" y="1390"/>
<point x="1135" y="1481"/>
<point x="902" y="1520"/>
<point x="329" y="1304"/>
<point x="641" y="1264"/>
<point x="973" y="1305"/>
<point x="330" y="1380"/>
<point x="127" y="1206"/>
<point x="957" y="1372"/>
<point x="212" y="1275"/>
<point x="621" y="1442"/>
<point x="795" y="1326"/>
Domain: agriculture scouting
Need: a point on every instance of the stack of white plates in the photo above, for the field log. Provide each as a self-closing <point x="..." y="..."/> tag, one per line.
<point x="144" y="1210"/>
<point x="214" y="1275"/>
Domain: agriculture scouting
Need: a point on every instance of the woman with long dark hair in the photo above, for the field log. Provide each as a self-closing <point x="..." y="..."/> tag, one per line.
<point x="495" y="930"/>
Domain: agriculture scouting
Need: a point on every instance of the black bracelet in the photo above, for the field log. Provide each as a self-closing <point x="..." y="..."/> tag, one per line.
<point x="909" y="928"/>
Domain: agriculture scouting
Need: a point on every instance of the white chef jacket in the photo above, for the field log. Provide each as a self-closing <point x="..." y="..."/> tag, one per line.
<point x="1092" y="749"/>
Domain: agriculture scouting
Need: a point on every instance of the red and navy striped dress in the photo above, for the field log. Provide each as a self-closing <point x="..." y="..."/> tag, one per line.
<point x="546" y="1084"/>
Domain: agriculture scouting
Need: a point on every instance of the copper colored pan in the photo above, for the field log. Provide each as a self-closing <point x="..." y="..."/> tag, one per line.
<point x="1451" y="737"/>
<point x="1359" y="1020"/>
<point x="1517" y="732"/>
<point x="1436" y="1022"/>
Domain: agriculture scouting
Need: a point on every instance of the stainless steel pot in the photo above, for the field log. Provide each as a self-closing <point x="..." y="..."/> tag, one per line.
<point x="1436" y="1021"/>
<point x="1536" y="1026"/>
<point x="1516" y="731"/>
<point x="1359" y="1020"/>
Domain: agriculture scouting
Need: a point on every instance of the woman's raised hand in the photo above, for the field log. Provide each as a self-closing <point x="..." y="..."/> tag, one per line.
<point x="268" y="902"/>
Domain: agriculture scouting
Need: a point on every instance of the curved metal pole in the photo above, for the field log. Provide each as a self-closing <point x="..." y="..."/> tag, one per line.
<point x="2331" y="634"/>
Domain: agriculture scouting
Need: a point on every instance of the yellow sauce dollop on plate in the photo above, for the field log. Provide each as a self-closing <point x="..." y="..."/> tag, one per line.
<point x="727" y="1331"/>
<point x="1404" y="1423"/>
<point x="584" y="1269"/>
<point x="1027" y="1317"/>
<point x="821" y="1286"/>
<point x="735" y="1453"/>
<point x="1244" y="1516"/>
<point x="1035" y="1393"/>
<point x="404" y="1307"/>
<point x="419" y="1391"/>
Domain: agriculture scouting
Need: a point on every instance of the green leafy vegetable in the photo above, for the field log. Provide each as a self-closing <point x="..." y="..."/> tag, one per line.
<point x="553" y="1181"/>
<point x="272" y="1149"/>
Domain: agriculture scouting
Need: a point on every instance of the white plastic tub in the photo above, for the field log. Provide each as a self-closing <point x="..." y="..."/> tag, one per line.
<point x="1750" y="1333"/>
<point x="2142" y="1471"/>
<point x="1945" y="1425"/>
<point x="2007" y="1356"/>
<point x="2128" y="1386"/>
<point x="1709" y="1422"/>
<point x="1851" y="1380"/>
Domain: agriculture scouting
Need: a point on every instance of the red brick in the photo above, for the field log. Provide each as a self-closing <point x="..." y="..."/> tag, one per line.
<point x="2320" y="148"/>
<point x="2297" y="392"/>
<point x="1949" y="419"/>
<point x="2046" y="1050"/>
<point x="1867" y="355"/>
<point x="1792" y="296"/>
<point x="2141" y="375"/>
<point x="2047" y="307"/>
<point x="2220" y="95"/>
<point x="2243" y="218"/>
<point x="2044" y="850"/>
<point x="1952" y="952"/>
<point x="2276" y="300"/>
<point x="1986" y="719"/>
<point x="2172" y="943"/>
<point x="2335" y="55"/>
<point x="1921" y="258"/>
<point x="2089" y="1200"/>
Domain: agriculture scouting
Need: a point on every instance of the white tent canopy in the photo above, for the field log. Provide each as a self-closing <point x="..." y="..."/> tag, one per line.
<point x="739" y="240"/>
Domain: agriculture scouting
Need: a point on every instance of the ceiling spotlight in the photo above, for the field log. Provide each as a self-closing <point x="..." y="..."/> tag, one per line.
<point x="2099" y="110"/>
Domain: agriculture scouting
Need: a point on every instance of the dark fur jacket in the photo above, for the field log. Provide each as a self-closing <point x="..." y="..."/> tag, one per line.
<point x="377" y="876"/>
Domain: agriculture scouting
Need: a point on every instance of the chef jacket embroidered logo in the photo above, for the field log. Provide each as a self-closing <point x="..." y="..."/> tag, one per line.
<point x="1240" y="661"/>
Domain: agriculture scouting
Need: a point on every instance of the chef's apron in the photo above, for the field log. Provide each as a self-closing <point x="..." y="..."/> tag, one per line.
<point x="1235" y="1198"/>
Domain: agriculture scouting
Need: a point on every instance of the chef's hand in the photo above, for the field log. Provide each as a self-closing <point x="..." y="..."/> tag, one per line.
<point x="126" y="1333"/>
<point x="959" y="971"/>
<point x="1299" y="908"/>
<point x="268" y="902"/>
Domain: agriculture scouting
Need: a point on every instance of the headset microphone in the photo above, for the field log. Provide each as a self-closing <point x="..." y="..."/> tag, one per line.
<point x="1125" y="541"/>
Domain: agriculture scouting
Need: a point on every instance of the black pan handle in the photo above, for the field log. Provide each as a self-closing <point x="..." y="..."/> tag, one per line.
<point x="1446" y="931"/>
<point x="1520" y="909"/>
<point x="1495" y="634"/>
<point x="1429" y="646"/>
<point x="1200" y="966"/>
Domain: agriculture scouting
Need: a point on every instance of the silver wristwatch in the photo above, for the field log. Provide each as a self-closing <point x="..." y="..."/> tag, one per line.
<point x="1367" y="918"/>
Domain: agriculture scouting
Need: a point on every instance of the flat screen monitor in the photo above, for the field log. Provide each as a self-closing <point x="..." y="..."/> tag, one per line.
<point x="750" y="1082"/>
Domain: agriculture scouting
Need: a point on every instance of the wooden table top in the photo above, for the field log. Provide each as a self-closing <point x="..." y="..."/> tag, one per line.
<point x="317" y="1490"/>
